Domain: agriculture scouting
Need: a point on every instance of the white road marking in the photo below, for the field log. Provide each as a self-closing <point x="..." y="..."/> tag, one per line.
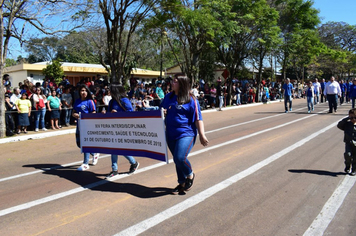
<point x="46" y="169"/>
<point x="200" y="197"/>
<point x="79" y="162"/>
<point x="80" y="189"/>
<point x="326" y="215"/>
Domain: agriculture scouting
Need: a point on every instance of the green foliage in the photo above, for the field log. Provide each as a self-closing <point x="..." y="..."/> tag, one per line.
<point x="54" y="70"/>
<point x="10" y="62"/>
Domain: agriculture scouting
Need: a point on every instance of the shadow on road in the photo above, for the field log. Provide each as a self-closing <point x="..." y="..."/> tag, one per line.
<point x="319" y="172"/>
<point x="90" y="180"/>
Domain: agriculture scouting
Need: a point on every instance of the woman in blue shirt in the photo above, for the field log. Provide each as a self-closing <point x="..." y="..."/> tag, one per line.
<point x="183" y="122"/>
<point x="84" y="104"/>
<point x="120" y="103"/>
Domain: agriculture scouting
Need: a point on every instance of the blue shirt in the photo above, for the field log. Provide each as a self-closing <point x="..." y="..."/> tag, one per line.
<point x="86" y="106"/>
<point x="180" y="119"/>
<point x="114" y="105"/>
<point x="288" y="89"/>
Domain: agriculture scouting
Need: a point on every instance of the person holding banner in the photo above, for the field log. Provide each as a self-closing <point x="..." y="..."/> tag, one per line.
<point x="183" y="122"/>
<point x="84" y="104"/>
<point x="120" y="103"/>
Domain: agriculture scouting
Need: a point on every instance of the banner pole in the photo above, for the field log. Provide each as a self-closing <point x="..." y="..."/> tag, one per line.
<point x="165" y="136"/>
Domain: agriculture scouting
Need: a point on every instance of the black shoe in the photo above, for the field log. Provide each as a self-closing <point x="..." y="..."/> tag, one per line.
<point x="178" y="190"/>
<point x="133" y="167"/>
<point x="112" y="174"/>
<point x="189" y="183"/>
<point x="353" y="173"/>
<point x="347" y="169"/>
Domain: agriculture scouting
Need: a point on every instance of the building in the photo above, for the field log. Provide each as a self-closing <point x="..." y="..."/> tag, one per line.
<point x="74" y="72"/>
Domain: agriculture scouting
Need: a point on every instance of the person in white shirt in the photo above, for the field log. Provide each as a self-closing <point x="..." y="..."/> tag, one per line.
<point x="332" y="91"/>
<point x="317" y="89"/>
<point x="16" y="95"/>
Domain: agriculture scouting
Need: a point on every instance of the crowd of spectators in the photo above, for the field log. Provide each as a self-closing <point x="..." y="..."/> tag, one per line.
<point x="50" y="104"/>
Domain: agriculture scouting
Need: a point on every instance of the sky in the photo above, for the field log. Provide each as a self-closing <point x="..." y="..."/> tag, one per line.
<point x="330" y="10"/>
<point x="336" y="10"/>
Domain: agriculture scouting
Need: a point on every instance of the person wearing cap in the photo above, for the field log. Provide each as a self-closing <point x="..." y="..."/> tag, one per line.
<point x="202" y="101"/>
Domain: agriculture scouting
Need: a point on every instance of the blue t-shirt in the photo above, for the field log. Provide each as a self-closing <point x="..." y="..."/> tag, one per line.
<point x="288" y="89"/>
<point x="125" y="102"/>
<point x="86" y="106"/>
<point x="180" y="119"/>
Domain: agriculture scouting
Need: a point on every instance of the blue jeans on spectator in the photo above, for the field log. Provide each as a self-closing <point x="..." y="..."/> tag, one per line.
<point x="310" y="103"/>
<point x="40" y="115"/>
<point x="180" y="149"/>
<point x="353" y="102"/>
<point x="77" y="139"/>
<point x="221" y="101"/>
<point x="238" y="99"/>
<point x="114" y="158"/>
<point x="67" y="115"/>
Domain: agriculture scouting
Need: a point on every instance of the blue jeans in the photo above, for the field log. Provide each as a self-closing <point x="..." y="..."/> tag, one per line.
<point x="68" y="114"/>
<point x="238" y="99"/>
<point x="310" y="103"/>
<point x="221" y="101"/>
<point x="40" y="115"/>
<point x="353" y="102"/>
<point x="287" y="99"/>
<point x="131" y="159"/>
<point x="180" y="149"/>
<point x="77" y="139"/>
<point x="316" y="98"/>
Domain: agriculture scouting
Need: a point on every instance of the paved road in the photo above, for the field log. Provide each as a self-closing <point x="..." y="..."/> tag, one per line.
<point x="264" y="173"/>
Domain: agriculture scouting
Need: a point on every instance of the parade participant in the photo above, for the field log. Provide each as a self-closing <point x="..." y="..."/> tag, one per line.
<point x="348" y="126"/>
<point x="84" y="104"/>
<point x="310" y="96"/>
<point x="332" y="92"/>
<point x="288" y="94"/>
<point x="353" y="92"/>
<point x="120" y="103"/>
<point x="322" y="87"/>
<point x="183" y="121"/>
<point x="317" y="90"/>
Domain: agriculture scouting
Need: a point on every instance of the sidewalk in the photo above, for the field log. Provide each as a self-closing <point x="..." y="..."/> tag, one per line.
<point x="71" y="130"/>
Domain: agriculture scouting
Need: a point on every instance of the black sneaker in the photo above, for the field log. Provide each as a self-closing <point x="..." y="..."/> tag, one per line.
<point x="189" y="183"/>
<point x="112" y="174"/>
<point x="347" y="169"/>
<point x="178" y="190"/>
<point x="353" y="172"/>
<point x="133" y="167"/>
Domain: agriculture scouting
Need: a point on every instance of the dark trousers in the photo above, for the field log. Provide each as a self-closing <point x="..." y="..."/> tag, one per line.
<point x="332" y="99"/>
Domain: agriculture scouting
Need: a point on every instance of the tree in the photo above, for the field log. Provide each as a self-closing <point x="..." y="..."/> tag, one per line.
<point x="18" y="18"/>
<point x="295" y="16"/>
<point x="121" y="19"/>
<point x="266" y="37"/>
<point x="54" y="70"/>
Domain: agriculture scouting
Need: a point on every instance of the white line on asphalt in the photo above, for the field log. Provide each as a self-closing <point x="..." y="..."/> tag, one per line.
<point x="80" y="189"/>
<point x="200" y="197"/>
<point x="247" y="122"/>
<point x="78" y="162"/>
<point x="326" y="215"/>
<point x="45" y="169"/>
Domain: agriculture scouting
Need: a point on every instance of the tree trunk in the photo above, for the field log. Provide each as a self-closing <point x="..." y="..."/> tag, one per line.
<point x="2" y="92"/>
